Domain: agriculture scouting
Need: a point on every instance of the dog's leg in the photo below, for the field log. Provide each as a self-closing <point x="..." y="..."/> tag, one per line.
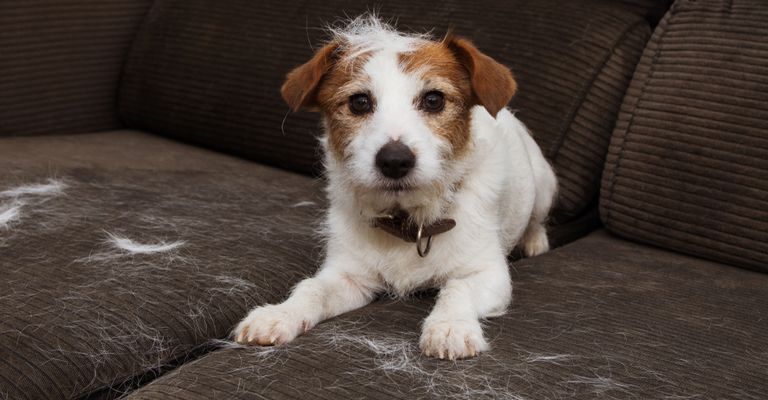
<point x="452" y="330"/>
<point x="331" y="292"/>
<point x="534" y="240"/>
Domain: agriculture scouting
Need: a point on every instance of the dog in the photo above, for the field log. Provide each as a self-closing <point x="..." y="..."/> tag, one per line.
<point x="432" y="181"/>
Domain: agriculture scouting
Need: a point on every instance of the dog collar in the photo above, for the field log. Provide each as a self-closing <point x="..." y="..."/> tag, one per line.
<point x="399" y="224"/>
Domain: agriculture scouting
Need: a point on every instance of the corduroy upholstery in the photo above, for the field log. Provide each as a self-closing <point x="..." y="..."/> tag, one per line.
<point x="630" y="323"/>
<point x="60" y="62"/>
<point x="209" y="72"/>
<point x="687" y="167"/>
<point x="78" y="316"/>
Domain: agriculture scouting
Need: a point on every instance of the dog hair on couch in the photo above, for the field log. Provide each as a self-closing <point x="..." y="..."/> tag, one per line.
<point x="21" y="196"/>
<point x="431" y="182"/>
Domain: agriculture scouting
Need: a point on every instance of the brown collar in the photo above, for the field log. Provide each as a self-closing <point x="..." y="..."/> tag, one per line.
<point x="399" y="224"/>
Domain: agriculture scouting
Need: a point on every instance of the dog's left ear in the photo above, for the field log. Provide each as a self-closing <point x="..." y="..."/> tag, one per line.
<point x="492" y="83"/>
<point x="301" y="84"/>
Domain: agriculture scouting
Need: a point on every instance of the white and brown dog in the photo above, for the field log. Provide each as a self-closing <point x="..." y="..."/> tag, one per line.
<point x="431" y="183"/>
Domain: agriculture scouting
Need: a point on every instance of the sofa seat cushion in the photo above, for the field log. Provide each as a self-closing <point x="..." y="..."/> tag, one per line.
<point x="687" y="167"/>
<point x="209" y="72"/>
<point x="598" y="318"/>
<point x="83" y="307"/>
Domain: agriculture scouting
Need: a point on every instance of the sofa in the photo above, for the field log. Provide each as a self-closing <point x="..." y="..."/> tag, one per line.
<point x="154" y="188"/>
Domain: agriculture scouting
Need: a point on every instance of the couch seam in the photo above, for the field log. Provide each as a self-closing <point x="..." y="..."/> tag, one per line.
<point x="625" y="136"/>
<point x="129" y="53"/>
<point x="566" y="128"/>
<point x="588" y="88"/>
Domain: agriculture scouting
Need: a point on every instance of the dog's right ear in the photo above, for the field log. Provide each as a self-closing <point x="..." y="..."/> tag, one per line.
<point x="301" y="84"/>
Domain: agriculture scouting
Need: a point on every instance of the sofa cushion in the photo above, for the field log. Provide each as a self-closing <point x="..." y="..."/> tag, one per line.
<point x="209" y="72"/>
<point x="598" y="318"/>
<point x="687" y="167"/>
<point x="83" y="307"/>
<point x="60" y="63"/>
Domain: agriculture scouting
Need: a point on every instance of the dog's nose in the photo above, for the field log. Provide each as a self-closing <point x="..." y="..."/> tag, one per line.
<point x="395" y="160"/>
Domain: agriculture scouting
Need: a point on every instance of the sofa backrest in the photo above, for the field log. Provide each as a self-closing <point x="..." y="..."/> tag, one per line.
<point x="687" y="167"/>
<point x="209" y="72"/>
<point x="60" y="63"/>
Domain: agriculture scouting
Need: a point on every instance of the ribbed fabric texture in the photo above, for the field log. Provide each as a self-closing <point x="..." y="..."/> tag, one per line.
<point x="80" y="316"/>
<point x="687" y="167"/>
<point x="210" y="72"/>
<point x="60" y="63"/>
<point x="601" y="318"/>
<point x="578" y="152"/>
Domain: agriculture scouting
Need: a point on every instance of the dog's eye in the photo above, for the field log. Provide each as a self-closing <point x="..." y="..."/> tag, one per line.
<point x="433" y="101"/>
<point x="360" y="103"/>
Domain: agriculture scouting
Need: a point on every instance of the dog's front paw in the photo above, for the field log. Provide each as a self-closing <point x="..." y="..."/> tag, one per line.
<point x="452" y="339"/>
<point x="270" y="325"/>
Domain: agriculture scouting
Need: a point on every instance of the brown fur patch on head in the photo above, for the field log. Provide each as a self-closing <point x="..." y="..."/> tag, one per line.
<point x="342" y="81"/>
<point x="323" y="84"/>
<point x="441" y="71"/>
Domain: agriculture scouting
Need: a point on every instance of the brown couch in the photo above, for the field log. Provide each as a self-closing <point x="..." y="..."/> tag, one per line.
<point x="161" y="121"/>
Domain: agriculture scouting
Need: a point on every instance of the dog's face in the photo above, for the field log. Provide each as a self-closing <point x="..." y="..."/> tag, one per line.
<point x="397" y="110"/>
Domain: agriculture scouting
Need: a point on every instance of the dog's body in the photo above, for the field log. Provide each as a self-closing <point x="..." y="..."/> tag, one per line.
<point x="468" y="160"/>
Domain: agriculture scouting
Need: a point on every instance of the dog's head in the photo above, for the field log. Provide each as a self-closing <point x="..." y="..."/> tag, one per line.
<point x="396" y="107"/>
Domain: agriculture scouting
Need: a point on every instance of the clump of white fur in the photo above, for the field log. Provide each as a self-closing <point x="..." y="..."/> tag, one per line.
<point x="53" y="187"/>
<point x="9" y="213"/>
<point x="368" y="33"/>
<point x="133" y="247"/>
